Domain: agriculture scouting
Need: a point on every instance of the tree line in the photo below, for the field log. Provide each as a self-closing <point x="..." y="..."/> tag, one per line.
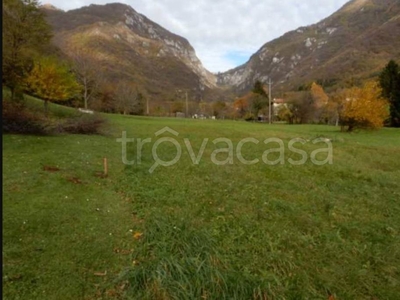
<point x="372" y="105"/>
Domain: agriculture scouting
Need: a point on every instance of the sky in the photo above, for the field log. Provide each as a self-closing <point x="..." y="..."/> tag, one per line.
<point x="225" y="33"/>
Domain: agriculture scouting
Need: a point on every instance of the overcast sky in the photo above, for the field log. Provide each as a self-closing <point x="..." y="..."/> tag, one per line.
<point x="225" y="33"/>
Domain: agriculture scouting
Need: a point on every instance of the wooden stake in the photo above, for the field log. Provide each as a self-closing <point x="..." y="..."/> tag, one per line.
<point x="105" y="166"/>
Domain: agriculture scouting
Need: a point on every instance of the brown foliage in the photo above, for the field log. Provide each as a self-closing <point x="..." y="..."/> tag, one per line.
<point x="17" y="119"/>
<point x="84" y="124"/>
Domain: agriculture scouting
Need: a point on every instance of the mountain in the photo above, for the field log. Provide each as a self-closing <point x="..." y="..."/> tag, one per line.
<point x="127" y="45"/>
<point x="353" y="44"/>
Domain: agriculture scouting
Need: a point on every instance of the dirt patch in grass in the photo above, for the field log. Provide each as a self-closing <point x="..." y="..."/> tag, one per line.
<point x="74" y="180"/>
<point x="51" y="169"/>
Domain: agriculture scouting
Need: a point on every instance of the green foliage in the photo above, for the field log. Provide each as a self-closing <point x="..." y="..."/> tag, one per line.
<point x="140" y="104"/>
<point x="25" y="35"/>
<point x="285" y="114"/>
<point x="258" y="102"/>
<point x="328" y="82"/>
<point x="390" y="82"/>
<point x="259" y="89"/>
<point x="301" y="107"/>
<point x="177" y="106"/>
<point x="304" y="87"/>
<point x="249" y="117"/>
<point x="219" y="108"/>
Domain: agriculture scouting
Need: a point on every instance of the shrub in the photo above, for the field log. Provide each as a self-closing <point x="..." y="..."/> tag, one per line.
<point x="249" y="117"/>
<point x="84" y="124"/>
<point x="17" y="119"/>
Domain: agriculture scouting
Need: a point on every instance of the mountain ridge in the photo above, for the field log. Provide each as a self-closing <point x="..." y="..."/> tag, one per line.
<point x="354" y="42"/>
<point x="310" y="52"/>
<point x="147" y="53"/>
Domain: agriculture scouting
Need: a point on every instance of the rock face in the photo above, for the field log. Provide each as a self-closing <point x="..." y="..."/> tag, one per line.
<point x="130" y="46"/>
<point x="354" y="43"/>
<point x="171" y="44"/>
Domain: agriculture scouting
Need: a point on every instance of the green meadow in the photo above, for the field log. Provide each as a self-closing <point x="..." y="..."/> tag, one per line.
<point x="201" y="231"/>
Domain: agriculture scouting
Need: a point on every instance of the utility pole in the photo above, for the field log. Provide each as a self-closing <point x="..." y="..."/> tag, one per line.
<point x="147" y="106"/>
<point x="270" y="99"/>
<point x="187" y="107"/>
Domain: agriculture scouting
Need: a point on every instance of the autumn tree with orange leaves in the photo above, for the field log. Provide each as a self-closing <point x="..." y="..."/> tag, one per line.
<point x="363" y="107"/>
<point x="241" y="106"/>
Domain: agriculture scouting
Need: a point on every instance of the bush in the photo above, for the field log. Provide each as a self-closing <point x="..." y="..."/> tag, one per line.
<point x="84" y="124"/>
<point x="249" y="117"/>
<point x="17" y="119"/>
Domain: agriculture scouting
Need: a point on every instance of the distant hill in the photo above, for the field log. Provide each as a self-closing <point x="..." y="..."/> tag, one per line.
<point x="130" y="46"/>
<point x="353" y="44"/>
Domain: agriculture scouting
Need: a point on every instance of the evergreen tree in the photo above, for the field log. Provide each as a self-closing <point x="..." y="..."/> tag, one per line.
<point x="259" y="89"/>
<point x="390" y="83"/>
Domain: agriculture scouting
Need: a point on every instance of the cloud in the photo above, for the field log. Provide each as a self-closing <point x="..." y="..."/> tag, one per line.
<point x="217" y="29"/>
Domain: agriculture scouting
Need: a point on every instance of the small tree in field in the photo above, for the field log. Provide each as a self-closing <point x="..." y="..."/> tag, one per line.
<point x="51" y="81"/>
<point x="364" y="107"/>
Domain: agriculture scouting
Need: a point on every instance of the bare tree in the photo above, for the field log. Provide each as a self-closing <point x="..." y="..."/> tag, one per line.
<point x="87" y="74"/>
<point x="128" y="100"/>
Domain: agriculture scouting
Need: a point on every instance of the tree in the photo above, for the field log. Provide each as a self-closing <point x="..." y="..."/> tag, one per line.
<point x="320" y="101"/>
<point x="87" y="73"/>
<point x="219" y="109"/>
<point x="364" y="107"/>
<point x="25" y="34"/>
<point x="308" y="105"/>
<point x="301" y="106"/>
<point x="241" y="106"/>
<point x="259" y="98"/>
<point x="389" y="80"/>
<point x="258" y="88"/>
<point x="257" y="102"/>
<point x="51" y="80"/>
<point x="105" y="100"/>
<point x="334" y="107"/>
<point x="177" y="106"/>
<point x="285" y="114"/>
<point x="128" y="99"/>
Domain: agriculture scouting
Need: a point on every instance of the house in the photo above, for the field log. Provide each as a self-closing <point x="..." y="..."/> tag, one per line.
<point x="278" y="104"/>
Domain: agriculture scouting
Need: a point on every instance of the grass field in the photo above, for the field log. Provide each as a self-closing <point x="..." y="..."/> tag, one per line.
<point x="201" y="231"/>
